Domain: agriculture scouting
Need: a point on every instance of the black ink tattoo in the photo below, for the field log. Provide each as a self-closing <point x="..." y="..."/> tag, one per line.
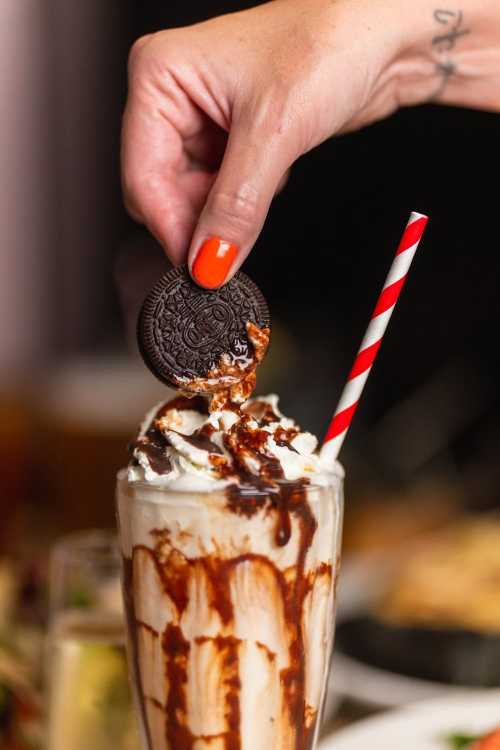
<point x="445" y="71"/>
<point x="444" y="42"/>
<point x="454" y="23"/>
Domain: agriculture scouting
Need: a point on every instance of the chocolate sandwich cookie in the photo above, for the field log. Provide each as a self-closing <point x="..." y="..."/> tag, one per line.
<point x="202" y="339"/>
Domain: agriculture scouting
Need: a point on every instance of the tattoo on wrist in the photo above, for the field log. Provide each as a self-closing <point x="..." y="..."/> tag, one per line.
<point x="451" y="29"/>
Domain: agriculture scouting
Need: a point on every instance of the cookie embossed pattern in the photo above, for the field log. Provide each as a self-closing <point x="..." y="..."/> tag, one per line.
<point x="190" y="336"/>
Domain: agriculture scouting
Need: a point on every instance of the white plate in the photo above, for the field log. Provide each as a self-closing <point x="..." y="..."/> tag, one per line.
<point x="423" y="726"/>
<point x="378" y="688"/>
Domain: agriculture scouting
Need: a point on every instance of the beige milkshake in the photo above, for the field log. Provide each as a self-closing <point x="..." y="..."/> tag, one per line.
<point x="230" y="530"/>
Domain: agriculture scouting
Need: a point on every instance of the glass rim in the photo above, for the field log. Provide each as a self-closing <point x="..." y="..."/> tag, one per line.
<point x="245" y="491"/>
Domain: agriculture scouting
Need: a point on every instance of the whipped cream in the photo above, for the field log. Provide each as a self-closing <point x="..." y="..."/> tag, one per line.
<point x="182" y="444"/>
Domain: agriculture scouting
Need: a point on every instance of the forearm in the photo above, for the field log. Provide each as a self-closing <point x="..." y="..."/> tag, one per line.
<point x="453" y="56"/>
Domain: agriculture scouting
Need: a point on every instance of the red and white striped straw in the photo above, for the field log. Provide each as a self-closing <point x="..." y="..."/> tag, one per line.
<point x="370" y="345"/>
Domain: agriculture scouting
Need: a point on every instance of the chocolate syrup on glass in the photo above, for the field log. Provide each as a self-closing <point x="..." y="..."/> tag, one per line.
<point x="286" y="500"/>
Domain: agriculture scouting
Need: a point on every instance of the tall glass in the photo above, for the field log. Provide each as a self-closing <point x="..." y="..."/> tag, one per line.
<point x="230" y="603"/>
<point x="90" y="703"/>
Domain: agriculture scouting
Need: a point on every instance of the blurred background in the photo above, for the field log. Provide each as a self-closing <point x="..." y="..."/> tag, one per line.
<point x="423" y="450"/>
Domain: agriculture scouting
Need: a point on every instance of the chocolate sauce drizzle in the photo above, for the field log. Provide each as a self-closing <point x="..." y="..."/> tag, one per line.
<point x="200" y="439"/>
<point x="177" y="649"/>
<point x="175" y="571"/>
<point x="154" y="443"/>
<point x="184" y="403"/>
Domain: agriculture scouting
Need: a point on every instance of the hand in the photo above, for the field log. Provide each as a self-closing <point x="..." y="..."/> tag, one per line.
<point x="219" y="111"/>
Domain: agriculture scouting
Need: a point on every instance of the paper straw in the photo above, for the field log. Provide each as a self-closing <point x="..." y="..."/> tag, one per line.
<point x="370" y="345"/>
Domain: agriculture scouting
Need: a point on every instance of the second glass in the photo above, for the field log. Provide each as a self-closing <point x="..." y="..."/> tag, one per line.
<point x="230" y="609"/>
<point x="90" y="704"/>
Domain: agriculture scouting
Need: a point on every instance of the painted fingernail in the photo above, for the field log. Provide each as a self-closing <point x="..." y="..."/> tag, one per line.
<point x="211" y="265"/>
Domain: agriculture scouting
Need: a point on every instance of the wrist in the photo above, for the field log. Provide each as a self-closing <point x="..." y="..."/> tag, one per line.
<point x="450" y="54"/>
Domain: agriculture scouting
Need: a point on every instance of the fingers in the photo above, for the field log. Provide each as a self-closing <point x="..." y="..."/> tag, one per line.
<point x="148" y="182"/>
<point x="161" y="127"/>
<point x="253" y="166"/>
<point x="282" y="183"/>
<point x="152" y="156"/>
<point x="171" y="149"/>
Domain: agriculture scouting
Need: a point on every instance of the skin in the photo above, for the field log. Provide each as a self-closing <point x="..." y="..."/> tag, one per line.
<point x="219" y="111"/>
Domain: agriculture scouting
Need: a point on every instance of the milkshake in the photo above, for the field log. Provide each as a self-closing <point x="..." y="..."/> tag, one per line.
<point x="229" y="528"/>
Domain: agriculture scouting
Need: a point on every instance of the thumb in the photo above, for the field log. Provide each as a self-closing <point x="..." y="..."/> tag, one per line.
<point x="253" y="166"/>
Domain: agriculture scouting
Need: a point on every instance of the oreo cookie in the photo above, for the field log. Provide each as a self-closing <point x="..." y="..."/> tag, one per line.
<point x="184" y="330"/>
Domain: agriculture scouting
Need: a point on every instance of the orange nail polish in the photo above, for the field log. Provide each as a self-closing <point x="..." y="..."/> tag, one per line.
<point x="211" y="265"/>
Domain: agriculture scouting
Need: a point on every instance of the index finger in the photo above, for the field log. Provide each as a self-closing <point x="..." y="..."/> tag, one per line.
<point x="152" y="165"/>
